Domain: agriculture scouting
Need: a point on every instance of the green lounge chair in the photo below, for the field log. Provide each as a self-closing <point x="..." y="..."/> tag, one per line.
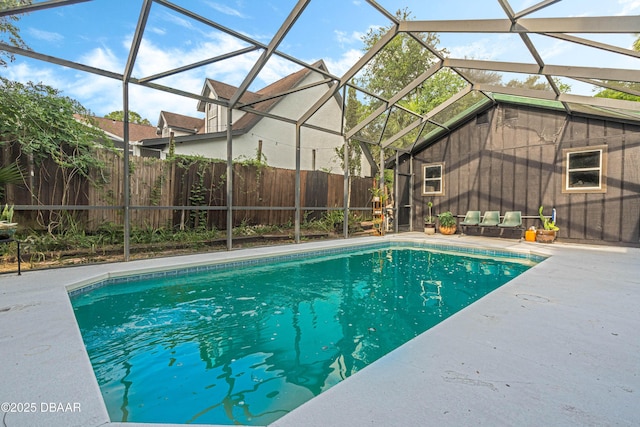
<point x="471" y="218"/>
<point x="511" y="219"/>
<point x="490" y="219"/>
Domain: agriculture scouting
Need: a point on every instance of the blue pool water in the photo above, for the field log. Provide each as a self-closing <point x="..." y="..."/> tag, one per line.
<point x="246" y="345"/>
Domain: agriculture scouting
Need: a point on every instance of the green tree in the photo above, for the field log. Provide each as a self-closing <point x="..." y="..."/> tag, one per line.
<point x="399" y="62"/>
<point x="133" y="117"/>
<point x="395" y="66"/>
<point x="9" y="33"/>
<point x="41" y="120"/>
<point x="615" y="94"/>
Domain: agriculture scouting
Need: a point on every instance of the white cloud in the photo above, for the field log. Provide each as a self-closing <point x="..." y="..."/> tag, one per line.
<point x="629" y="7"/>
<point x="177" y="20"/>
<point x="341" y="65"/>
<point x="157" y="30"/>
<point x="45" y="35"/>
<point x="24" y="72"/>
<point x="344" y="38"/>
<point x="478" y="49"/>
<point x="555" y="50"/>
<point x="103" y="58"/>
<point x="225" y="9"/>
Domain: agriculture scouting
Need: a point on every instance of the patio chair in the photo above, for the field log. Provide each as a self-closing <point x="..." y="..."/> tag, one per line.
<point x="511" y="225"/>
<point x="471" y="218"/>
<point x="490" y="219"/>
<point x="512" y="219"/>
<point x="488" y="225"/>
<point x="469" y="224"/>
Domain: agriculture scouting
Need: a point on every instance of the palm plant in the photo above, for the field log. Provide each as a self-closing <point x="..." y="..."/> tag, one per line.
<point x="9" y="175"/>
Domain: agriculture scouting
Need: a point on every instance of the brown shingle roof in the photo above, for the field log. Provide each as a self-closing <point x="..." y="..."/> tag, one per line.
<point x="174" y="120"/>
<point x="226" y="91"/>
<point x="137" y="132"/>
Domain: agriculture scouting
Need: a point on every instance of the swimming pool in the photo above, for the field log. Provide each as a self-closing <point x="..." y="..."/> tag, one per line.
<point x="248" y="342"/>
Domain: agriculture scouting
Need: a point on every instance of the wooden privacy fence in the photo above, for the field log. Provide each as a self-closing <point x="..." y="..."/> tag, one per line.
<point x="157" y="184"/>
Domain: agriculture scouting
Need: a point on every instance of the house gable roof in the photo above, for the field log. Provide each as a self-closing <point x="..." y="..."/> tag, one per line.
<point x="115" y="128"/>
<point x="178" y="121"/>
<point x="247" y="121"/>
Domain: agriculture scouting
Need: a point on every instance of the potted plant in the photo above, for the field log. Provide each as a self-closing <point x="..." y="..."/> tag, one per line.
<point x="447" y="222"/>
<point x="7" y="227"/>
<point x="546" y="234"/>
<point x="429" y="221"/>
<point x="378" y="194"/>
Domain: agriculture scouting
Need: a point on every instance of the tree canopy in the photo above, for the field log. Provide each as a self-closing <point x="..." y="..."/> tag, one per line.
<point x="9" y="33"/>
<point x="399" y="63"/>
<point x="42" y="121"/>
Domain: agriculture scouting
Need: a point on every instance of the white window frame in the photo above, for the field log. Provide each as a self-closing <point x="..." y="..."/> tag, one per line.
<point x="601" y="169"/>
<point x="424" y="179"/>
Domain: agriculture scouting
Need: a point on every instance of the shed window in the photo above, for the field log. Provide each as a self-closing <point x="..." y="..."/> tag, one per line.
<point x="433" y="182"/>
<point x="585" y="170"/>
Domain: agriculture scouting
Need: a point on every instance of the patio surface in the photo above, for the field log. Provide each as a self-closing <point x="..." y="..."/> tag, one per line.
<point x="558" y="345"/>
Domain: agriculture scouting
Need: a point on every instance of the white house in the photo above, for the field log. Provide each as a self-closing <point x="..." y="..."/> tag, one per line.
<point x="258" y="136"/>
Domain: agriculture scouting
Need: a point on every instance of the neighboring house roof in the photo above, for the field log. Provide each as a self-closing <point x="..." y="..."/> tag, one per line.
<point x="115" y="128"/>
<point x="180" y="122"/>
<point x="225" y="91"/>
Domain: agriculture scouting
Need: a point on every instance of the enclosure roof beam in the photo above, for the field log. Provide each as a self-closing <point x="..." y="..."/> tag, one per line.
<point x="383" y="11"/>
<point x="381" y="43"/>
<point x="141" y="82"/>
<point x="246" y="109"/>
<point x="288" y="92"/>
<point x="587" y="25"/>
<point x="366" y="92"/>
<point x="535" y="8"/>
<point x="564" y="97"/>
<point x="429" y="116"/>
<point x="137" y="39"/>
<point x="611" y="86"/>
<point x="240" y="36"/>
<point x="403" y="132"/>
<point x="533" y="51"/>
<point x="266" y="54"/>
<point x="199" y="64"/>
<point x="507" y="9"/>
<point x="397" y="97"/>
<point x="628" y="75"/>
<point x="594" y="44"/>
<point x="60" y="61"/>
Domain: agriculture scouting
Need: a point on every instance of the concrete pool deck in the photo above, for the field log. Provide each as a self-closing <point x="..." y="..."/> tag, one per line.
<point x="558" y="345"/>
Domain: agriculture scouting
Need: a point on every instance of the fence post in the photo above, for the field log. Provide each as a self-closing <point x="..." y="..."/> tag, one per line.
<point x="229" y="180"/>
<point x="297" y="186"/>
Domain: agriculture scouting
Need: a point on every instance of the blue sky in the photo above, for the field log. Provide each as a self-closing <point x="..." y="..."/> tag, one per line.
<point x="99" y="33"/>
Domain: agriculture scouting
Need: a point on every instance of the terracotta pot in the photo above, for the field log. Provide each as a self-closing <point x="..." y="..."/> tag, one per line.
<point x="545" y="236"/>
<point x="447" y="230"/>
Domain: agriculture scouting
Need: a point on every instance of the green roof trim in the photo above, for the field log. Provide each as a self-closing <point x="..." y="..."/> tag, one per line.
<point x="534" y="102"/>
